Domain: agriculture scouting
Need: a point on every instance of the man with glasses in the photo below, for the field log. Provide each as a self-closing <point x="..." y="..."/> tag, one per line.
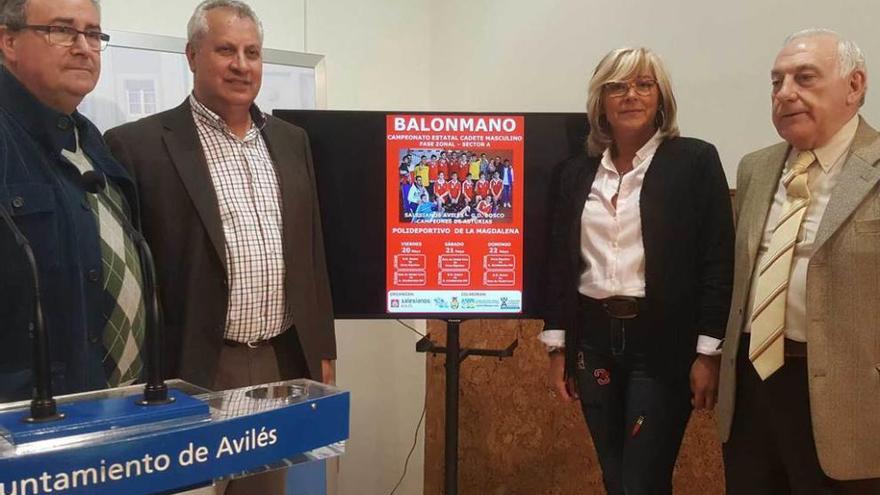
<point x="89" y="270"/>
<point x="67" y="36"/>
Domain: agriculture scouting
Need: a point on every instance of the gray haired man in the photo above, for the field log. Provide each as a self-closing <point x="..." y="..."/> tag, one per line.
<point x="800" y="379"/>
<point x="231" y="210"/>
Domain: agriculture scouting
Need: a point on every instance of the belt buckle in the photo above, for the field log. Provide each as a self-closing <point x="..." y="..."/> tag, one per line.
<point x="253" y="344"/>
<point x="622" y="308"/>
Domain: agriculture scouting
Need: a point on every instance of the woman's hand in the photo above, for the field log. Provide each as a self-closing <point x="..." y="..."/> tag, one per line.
<point x="559" y="386"/>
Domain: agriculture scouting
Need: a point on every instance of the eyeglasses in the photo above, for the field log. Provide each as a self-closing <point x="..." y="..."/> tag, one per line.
<point x="616" y="89"/>
<point x="66" y="36"/>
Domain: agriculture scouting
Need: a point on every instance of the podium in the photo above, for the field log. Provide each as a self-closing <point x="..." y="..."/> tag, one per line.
<point x="108" y="443"/>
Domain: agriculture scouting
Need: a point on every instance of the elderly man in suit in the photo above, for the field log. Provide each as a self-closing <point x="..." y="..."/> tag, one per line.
<point x="230" y="207"/>
<point x="799" y="405"/>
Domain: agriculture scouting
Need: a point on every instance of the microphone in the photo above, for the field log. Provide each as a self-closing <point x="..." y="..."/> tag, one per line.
<point x="43" y="406"/>
<point x="155" y="391"/>
<point x="94" y="182"/>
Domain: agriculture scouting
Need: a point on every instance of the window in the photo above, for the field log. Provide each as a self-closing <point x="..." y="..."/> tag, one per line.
<point x="141" y="97"/>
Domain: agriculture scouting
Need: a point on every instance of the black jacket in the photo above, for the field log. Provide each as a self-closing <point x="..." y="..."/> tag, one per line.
<point x="687" y="229"/>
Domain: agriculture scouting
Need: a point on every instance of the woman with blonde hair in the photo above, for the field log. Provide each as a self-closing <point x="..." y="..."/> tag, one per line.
<point x="640" y="274"/>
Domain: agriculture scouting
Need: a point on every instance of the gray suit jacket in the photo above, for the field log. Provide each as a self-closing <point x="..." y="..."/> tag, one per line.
<point x="843" y="304"/>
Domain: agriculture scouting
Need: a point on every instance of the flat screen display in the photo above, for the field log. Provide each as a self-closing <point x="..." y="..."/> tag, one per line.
<point x="404" y="241"/>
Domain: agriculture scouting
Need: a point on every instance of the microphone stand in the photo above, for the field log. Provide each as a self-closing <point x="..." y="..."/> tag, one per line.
<point x="43" y="406"/>
<point x="155" y="391"/>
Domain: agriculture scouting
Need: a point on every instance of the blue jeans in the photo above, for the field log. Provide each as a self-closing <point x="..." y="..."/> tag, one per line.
<point x="505" y="194"/>
<point x="636" y="419"/>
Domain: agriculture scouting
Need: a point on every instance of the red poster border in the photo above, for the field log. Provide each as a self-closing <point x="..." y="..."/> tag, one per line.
<point x="431" y="237"/>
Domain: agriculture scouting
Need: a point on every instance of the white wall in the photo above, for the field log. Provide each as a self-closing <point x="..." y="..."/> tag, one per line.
<point x="377" y="52"/>
<point x="364" y="43"/>
<point x="525" y="55"/>
<point x="378" y="363"/>
<point x="282" y="19"/>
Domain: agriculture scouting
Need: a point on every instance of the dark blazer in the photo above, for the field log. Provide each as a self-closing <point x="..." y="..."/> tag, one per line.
<point x="687" y="229"/>
<point x="181" y="222"/>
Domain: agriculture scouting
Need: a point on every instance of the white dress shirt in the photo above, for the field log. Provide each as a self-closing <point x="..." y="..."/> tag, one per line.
<point x="821" y="180"/>
<point x="611" y="238"/>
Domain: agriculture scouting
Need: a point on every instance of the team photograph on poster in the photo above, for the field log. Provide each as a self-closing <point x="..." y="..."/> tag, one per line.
<point x="456" y="185"/>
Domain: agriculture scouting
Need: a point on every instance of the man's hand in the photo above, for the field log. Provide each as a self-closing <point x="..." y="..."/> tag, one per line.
<point x="565" y="389"/>
<point x="704" y="381"/>
<point x="328" y="371"/>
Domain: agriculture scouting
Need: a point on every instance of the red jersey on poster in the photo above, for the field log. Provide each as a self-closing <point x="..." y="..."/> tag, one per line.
<point x="495" y="187"/>
<point x="482" y="188"/>
<point x="484" y="207"/>
<point x="467" y="188"/>
<point x="454" y="188"/>
<point x="441" y="189"/>
<point x="443" y="166"/>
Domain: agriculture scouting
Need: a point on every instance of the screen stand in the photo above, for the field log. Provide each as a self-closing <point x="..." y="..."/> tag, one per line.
<point x="454" y="356"/>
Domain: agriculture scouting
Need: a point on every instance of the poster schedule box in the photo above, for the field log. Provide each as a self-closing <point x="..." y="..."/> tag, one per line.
<point x="454" y="213"/>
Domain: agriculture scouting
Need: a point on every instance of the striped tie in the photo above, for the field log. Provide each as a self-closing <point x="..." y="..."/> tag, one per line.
<point x="766" y="348"/>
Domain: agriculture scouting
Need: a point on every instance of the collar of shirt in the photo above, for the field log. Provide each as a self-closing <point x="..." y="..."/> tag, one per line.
<point x="258" y="118"/>
<point x="77" y="156"/>
<point x="829" y="154"/>
<point x="50" y="127"/>
<point x="643" y="155"/>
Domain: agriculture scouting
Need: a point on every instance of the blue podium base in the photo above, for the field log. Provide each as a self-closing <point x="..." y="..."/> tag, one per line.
<point x="93" y="415"/>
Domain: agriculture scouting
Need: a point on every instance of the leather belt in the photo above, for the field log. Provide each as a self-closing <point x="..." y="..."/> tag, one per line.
<point x="795" y="349"/>
<point x="621" y="307"/>
<point x="252" y="344"/>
